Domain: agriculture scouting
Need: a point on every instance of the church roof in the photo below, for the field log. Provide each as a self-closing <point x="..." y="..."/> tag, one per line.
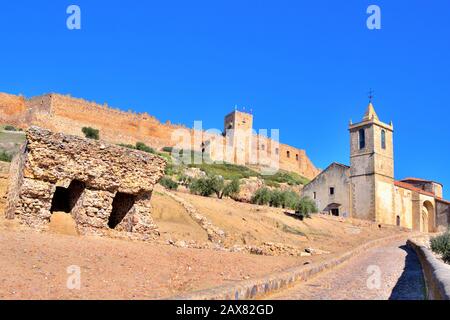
<point x="333" y="164"/>
<point x="370" y="113"/>
<point x="408" y="186"/>
<point x="413" y="179"/>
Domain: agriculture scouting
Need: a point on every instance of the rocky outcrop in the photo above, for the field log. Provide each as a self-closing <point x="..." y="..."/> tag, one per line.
<point x="247" y="189"/>
<point x="106" y="188"/>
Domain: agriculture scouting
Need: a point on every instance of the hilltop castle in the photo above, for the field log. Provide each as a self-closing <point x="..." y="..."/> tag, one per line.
<point x="66" y="114"/>
<point x="367" y="189"/>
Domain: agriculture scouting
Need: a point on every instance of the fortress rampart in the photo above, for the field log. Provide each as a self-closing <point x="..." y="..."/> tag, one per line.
<point x="63" y="113"/>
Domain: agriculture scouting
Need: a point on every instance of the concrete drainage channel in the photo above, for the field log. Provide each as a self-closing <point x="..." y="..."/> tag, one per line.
<point x="435" y="272"/>
<point x="258" y="288"/>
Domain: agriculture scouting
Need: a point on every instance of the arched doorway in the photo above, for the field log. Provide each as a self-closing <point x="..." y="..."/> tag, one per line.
<point x="427" y="217"/>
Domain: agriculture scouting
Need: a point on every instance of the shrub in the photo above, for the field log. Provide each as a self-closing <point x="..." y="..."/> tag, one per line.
<point x="446" y="256"/>
<point x="4" y="156"/>
<point x="168" y="183"/>
<point x="202" y="187"/>
<point x="167" y="149"/>
<point x="290" y="178"/>
<point x="184" y="179"/>
<point x="441" y="244"/>
<point x="91" y="133"/>
<point x="226" y="170"/>
<point x="129" y="146"/>
<point x="143" y="147"/>
<point x="276" y="198"/>
<point x="291" y="199"/>
<point x="262" y="196"/>
<point x="232" y="188"/>
<point x="214" y="185"/>
<point x="10" y="128"/>
<point x="305" y="207"/>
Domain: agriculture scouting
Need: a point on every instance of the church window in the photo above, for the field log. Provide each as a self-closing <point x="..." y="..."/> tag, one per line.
<point x="383" y="139"/>
<point x="314" y="195"/>
<point x="332" y="191"/>
<point x="296" y="157"/>
<point x="288" y="154"/>
<point x="362" y="139"/>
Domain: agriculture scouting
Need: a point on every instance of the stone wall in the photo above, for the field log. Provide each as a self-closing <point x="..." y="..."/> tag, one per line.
<point x="335" y="176"/>
<point x="61" y="113"/>
<point x="442" y="215"/>
<point x="47" y="170"/>
<point x="4" y="178"/>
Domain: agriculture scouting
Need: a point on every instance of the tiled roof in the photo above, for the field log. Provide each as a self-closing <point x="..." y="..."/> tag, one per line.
<point x="419" y="180"/>
<point x="408" y="186"/>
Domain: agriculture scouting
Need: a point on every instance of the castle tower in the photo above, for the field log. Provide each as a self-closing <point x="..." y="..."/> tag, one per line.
<point x="372" y="169"/>
<point x="238" y="128"/>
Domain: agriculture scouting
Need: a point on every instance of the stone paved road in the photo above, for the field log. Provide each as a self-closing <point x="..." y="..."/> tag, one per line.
<point x="400" y="278"/>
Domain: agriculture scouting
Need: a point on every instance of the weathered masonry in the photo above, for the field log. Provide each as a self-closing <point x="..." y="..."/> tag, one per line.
<point x="105" y="188"/>
<point x="367" y="189"/>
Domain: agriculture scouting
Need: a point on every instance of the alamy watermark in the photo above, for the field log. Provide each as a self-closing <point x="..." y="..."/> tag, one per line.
<point x="374" y="20"/>
<point x="238" y="146"/>
<point x="374" y="280"/>
<point x="73" y="21"/>
<point x="74" y="278"/>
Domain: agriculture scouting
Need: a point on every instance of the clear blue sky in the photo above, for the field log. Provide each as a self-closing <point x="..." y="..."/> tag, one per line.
<point x="304" y="67"/>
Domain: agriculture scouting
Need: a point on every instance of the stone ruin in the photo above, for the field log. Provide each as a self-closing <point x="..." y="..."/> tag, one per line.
<point x="105" y="188"/>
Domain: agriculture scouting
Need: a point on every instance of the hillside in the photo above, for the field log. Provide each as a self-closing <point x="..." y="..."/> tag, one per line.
<point x="63" y="113"/>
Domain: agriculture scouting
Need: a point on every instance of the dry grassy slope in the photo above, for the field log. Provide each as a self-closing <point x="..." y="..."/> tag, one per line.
<point x="173" y="221"/>
<point x="246" y="224"/>
<point x="254" y="225"/>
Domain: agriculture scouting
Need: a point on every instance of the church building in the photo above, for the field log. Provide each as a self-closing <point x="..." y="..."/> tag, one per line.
<point x="367" y="188"/>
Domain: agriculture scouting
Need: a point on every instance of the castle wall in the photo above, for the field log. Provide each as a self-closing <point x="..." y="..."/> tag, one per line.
<point x="12" y="109"/>
<point x="69" y="115"/>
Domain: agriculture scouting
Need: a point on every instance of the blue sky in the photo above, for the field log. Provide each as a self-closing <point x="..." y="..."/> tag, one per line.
<point x="304" y="67"/>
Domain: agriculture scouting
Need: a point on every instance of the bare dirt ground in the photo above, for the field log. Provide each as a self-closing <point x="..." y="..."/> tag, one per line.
<point x="34" y="265"/>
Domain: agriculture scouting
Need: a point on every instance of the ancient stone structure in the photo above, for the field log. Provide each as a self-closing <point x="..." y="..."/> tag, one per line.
<point x="104" y="187"/>
<point x="241" y="144"/>
<point x="61" y="113"/>
<point x="367" y="189"/>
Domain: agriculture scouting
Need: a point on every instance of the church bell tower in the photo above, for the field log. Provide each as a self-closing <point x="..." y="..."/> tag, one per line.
<point x="372" y="168"/>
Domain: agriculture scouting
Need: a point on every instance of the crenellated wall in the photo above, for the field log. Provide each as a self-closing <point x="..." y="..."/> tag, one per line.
<point x="65" y="114"/>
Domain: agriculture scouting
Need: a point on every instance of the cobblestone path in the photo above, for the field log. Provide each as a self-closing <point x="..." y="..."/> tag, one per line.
<point x="392" y="271"/>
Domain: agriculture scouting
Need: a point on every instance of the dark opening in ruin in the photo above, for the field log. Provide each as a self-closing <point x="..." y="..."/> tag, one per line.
<point x="121" y="205"/>
<point x="65" y="199"/>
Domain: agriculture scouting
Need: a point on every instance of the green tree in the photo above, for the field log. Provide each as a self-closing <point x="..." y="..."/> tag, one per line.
<point x="262" y="196"/>
<point x="91" y="133"/>
<point x="4" y="156"/>
<point x="202" y="187"/>
<point x="168" y="183"/>
<point x="305" y="207"/>
<point x="143" y="147"/>
<point x="232" y="188"/>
